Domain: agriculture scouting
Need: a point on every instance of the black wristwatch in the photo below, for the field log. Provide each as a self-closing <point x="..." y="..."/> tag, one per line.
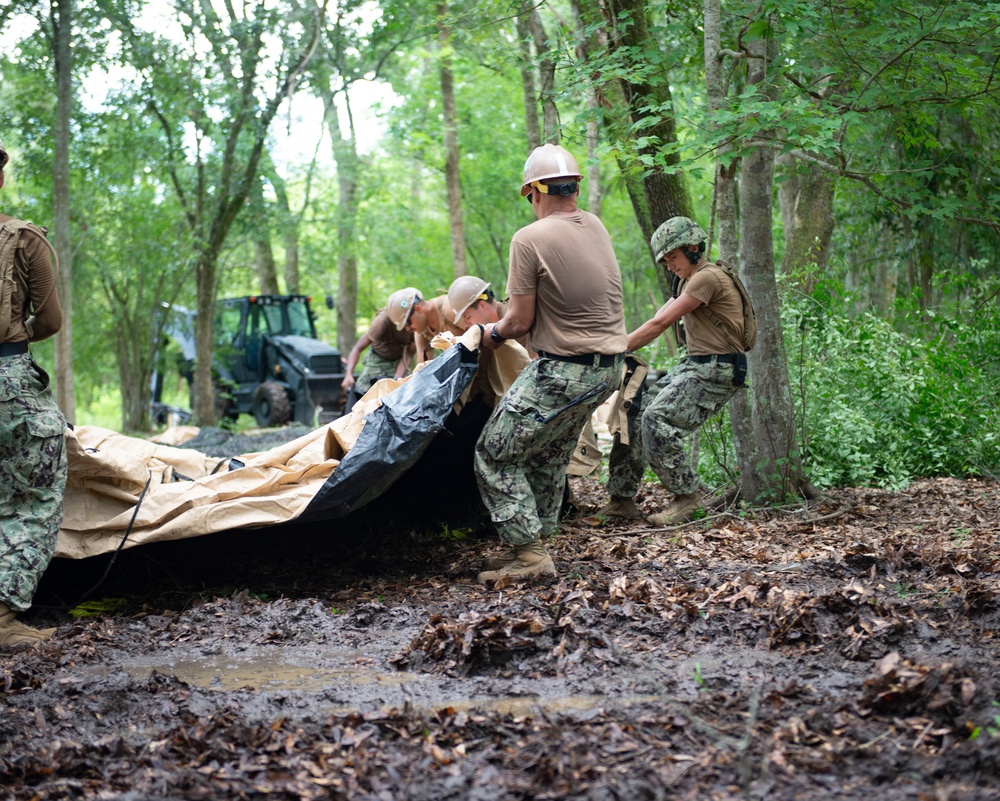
<point x="495" y="335"/>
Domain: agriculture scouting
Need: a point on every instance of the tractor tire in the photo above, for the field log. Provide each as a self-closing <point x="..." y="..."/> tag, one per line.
<point x="271" y="406"/>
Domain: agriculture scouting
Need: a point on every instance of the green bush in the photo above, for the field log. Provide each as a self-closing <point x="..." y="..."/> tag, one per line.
<point x="879" y="407"/>
<point x="881" y="402"/>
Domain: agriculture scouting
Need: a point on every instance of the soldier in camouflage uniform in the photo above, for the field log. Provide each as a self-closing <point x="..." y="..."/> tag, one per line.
<point x="695" y="389"/>
<point x="32" y="436"/>
<point x="566" y="290"/>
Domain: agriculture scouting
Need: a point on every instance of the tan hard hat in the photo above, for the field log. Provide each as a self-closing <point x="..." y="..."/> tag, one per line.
<point x="548" y="161"/>
<point x="465" y="291"/>
<point x="400" y="304"/>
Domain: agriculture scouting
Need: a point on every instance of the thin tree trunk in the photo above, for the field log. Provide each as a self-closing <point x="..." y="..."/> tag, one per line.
<point x="345" y="153"/>
<point x="776" y="472"/>
<point x="451" y="147"/>
<point x="62" y="27"/>
<point x="806" y="199"/>
<point x="726" y="217"/>
<point x="290" y="220"/>
<point x="595" y="193"/>
<point x="267" y="270"/>
<point x="547" y="79"/>
<point x="204" y="388"/>
<point x="528" y="83"/>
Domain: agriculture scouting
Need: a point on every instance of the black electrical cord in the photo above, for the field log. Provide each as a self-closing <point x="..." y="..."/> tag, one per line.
<point x="118" y="550"/>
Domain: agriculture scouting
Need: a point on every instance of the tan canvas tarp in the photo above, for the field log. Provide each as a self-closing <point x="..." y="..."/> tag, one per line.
<point x="185" y="493"/>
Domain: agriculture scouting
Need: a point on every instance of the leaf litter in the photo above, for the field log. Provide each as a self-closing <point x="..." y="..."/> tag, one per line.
<point x="842" y="650"/>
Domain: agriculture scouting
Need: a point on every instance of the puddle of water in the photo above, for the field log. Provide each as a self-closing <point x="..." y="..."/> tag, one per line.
<point x="273" y="674"/>
<point x="265" y="673"/>
<point x="521" y="706"/>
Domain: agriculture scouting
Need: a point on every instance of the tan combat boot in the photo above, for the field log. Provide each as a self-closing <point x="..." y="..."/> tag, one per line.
<point x="16" y="635"/>
<point x="620" y="506"/>
<point x="502" y="559"/>
<point x="680" y="511"/>
<point x="531" y="560"/>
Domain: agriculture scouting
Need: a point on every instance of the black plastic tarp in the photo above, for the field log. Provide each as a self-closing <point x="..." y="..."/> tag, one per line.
<point x="395" y="435"/>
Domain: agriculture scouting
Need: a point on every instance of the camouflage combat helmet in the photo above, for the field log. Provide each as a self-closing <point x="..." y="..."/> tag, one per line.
<point x="674" y="233"/>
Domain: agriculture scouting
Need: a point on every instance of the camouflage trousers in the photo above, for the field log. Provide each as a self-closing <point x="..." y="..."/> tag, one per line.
<point x="525" y="447"/>
<point x="683" y="400"/>
<point x="375" y="367"/>
<point x="32" y="478"/>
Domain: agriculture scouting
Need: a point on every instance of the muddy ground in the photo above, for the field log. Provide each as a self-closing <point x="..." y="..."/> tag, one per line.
<point x="848" y="650"/>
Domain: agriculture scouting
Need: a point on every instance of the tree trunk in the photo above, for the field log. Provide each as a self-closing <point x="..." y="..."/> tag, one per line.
<point x="925" y="260"/>
<point x="806" y="199"/>
<point x="658" y="196"/>
<point x="204" y="387"/>
<point x="595" y="193"/>
<point x="347" y="267"/>
<point x="267" y="270"/>
<point x="290" y="222"/>
<point x="726" y="216"/>
<point x="451" y="147"/>
<point x="345" y="153"/>
<point x="62" y="27"/>
<point x="531" y="127"/>
<point x="773" y="470"/>
<point x="131" y="346"/>
<point x="290" y="236"/>
<point x="547" y="79"/>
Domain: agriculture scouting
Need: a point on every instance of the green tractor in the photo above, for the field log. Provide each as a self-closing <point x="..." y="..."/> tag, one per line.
<point x="267" y="360"/>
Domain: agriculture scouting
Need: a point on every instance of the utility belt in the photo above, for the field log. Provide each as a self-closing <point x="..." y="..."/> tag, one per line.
<point x="13" y="348"/>
<point x="588" y="359"/>
<point x="737" y="360"/>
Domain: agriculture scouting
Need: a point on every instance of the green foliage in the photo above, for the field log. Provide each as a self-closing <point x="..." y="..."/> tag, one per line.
<point x="106" y="606"/>
<point x="992" y="728"/>
<point x="879" y="407"/>
<point x="450" y="534"/>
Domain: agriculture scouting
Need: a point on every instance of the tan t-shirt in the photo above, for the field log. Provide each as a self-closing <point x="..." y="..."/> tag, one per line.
<point x="387" y="341"/>
<point x="715" y="290"/>
<point x="567" y="261"/>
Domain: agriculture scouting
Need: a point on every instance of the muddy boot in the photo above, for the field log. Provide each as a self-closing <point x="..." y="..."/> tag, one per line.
<point x="680" y="511"/>
<point x="502" y="559"/>
<point x="17" y="635"/>
<point x="531" y="560"/>
<point x="620" y="506"/>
